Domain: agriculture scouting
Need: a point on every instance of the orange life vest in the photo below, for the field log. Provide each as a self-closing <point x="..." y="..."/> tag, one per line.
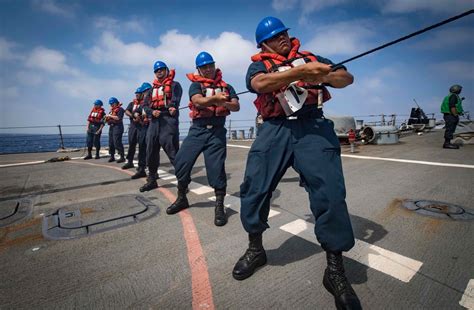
<point x="114" y="111"/>
<point x="268" y="104"/>
<point x="162" y="92"/>
<point x="96" y="115"/>
<point x="143" y="120"/>
<point x="209" y="88"/>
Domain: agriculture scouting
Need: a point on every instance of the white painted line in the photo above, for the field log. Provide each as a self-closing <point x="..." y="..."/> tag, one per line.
<point x="408" y="161"/>
<point x="201" y="189"/>
<point x="467" y="299"/>
<point x="393" y="264"/>
<point x="23" y="164"/>
<point x="170" y="177"/>
<point x="297" y="227"/>
<point x="273" y="213"/>
<point x="240" y="146"/>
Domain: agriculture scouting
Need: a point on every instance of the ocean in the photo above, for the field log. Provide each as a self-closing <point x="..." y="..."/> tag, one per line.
<point x="33" y="143"/>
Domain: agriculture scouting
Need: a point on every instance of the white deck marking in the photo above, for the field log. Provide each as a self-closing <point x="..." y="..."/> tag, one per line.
<point x="202" y="189"/>
<point x="23" y="164"/>
<point x="240" y="146"/>
<point x="169" y="177"/>
<point x="197" y="188"/>
<point x="408" y="161"/>
<point x="393" y="264"/>
<point x="273" y="213"/>
<point x="233" y="202"/>
<point x="467" y="299"/>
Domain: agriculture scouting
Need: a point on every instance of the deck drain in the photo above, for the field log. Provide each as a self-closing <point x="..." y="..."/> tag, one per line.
<point x="439" y="209"/>
<point x="83" y="219"/>
<point x="12" y="211"/>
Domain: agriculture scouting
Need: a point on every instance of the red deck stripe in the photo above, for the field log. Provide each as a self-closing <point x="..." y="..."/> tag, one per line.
<point x="201" y="285"/>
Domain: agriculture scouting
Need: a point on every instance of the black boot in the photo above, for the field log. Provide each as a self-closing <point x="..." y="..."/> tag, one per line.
<point x="220" y="218"/>
<point x="111" y="159"/>
<point x="121" y="159"/>
<point x="336" y="283"/>
<point x="181" y="202"/>
<point x="97" y="156"/>
<point x="149" y="185"/>
<point x="253" y="258"/>
<point x="89" y="154"/>
<point x="448" y="145"/>
<point x="139" y="174"/>
<point x="128" y="165"/>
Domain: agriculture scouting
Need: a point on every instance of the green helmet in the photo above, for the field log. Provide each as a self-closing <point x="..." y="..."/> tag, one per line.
<point x="455" y="89"/>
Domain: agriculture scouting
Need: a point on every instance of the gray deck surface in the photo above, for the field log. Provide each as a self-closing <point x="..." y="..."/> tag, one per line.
<point x="145" y="265"/>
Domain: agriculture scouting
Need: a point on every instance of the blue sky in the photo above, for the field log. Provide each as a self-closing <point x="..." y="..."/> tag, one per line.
<point x="57" y="57"/>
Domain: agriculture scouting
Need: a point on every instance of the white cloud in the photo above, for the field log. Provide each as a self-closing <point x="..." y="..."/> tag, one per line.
<point x="51" y="7"/>
<point x="90" y="88"/>
<point x="305" y="6"/>
<point x="112" y="24"/>
<point x="455" y="70"/>
<point x="49" y="60"/>
<point x="283" y="5"/>
<point x="6" y="50"/>
<point x="344" y="38"/>
<point x="229" y="49"/>
<point x="435" y="6"/>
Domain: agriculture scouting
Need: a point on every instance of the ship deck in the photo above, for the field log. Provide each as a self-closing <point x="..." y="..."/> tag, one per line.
<point x="145" y="258"/>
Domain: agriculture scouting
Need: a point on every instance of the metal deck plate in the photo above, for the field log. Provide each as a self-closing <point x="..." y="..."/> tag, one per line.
<point x="12" y="211"/>
<point x="438" y="209"/>
<point x="83" y="219"/>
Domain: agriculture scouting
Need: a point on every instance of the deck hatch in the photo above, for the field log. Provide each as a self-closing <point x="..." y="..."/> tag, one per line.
<point x="438" y="209"/>
<point x="12" y="211"/>
<point x="86" y="218"/>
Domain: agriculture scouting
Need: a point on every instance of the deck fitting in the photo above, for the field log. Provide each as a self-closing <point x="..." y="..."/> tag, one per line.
<point x="438" y="209"/>
<point x="87" y="218"/>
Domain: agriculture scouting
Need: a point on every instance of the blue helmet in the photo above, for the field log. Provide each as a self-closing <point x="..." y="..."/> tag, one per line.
<point x="98" y="102"/>
<point x="159" y="65"/>
<point x="113" y="100"/>
<point x="204" y="58"/>
<point x="145" y="86"/>
<point x="268" y="28"/>
<point x="139" y="90"/>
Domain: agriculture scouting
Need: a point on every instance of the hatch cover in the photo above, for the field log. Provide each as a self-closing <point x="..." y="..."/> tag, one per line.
<point x="438" y="209"/>
<point x="86" y="218"/>
<point x="12" y="211"/>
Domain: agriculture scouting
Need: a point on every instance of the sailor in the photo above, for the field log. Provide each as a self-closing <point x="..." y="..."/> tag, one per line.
<point x="290" y="87"/>
<point x="211" y="100"/>
<point x="451" y="107"/>
<point x="137" y="131"/>
<point x="115" y="121"/>
<point x="163" y="131"/>
<point x="95" y="123"/>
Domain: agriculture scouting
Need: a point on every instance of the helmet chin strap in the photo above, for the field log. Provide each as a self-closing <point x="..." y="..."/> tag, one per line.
<point x="268" y="48"/>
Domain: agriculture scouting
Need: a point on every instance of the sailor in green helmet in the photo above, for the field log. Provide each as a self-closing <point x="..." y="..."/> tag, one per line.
<point x="451" y="109"/>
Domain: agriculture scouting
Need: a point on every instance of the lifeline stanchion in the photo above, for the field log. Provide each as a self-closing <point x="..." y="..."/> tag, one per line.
<point x="397" y="40"/>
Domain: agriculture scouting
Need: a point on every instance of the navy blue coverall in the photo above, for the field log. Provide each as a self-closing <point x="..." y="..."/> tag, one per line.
<point x="137" y="134"/>
<point x="93" y="139"/>
<point x="115" y="134"/>
<point x="163" y="131"/>
<point x="307" y="142"/>
<point x="208" y="136"/>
